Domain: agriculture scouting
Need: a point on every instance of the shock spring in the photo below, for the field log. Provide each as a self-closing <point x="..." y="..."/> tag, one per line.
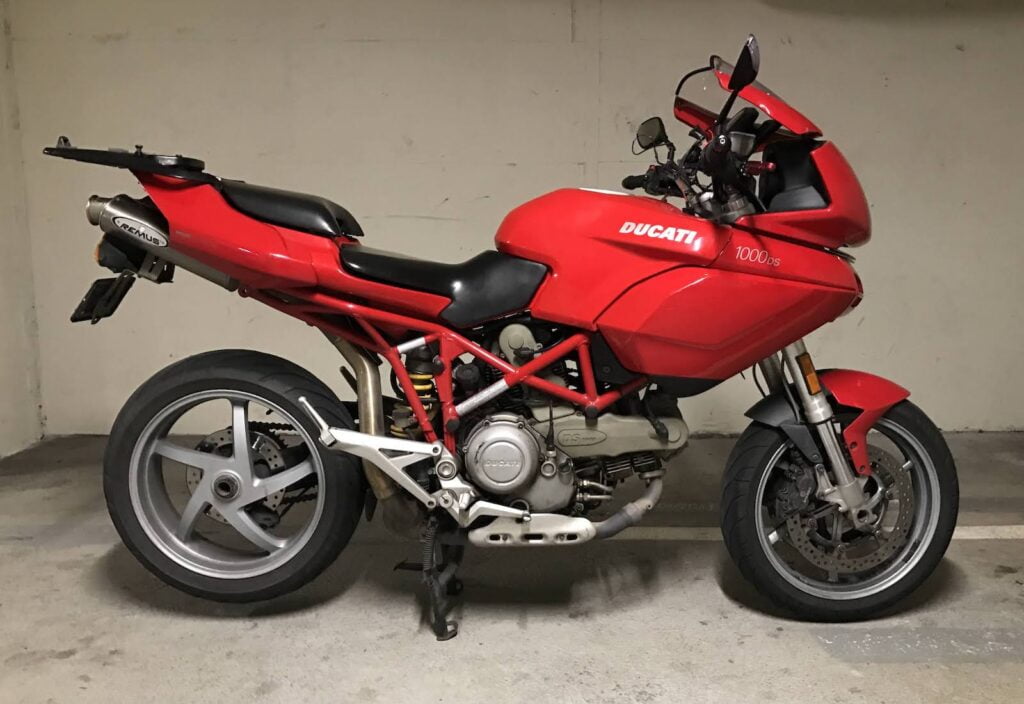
<point x="403" y="421"/>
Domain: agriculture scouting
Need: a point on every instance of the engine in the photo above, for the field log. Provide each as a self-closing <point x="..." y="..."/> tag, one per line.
<point x="526" y="451"/>
<point x="505" y="455"/>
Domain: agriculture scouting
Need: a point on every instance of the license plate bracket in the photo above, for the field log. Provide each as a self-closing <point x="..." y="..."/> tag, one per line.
<point x="103" y="298"/>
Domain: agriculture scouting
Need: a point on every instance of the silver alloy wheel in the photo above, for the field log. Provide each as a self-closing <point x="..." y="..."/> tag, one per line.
<point x="925" y="520"/>
<point x="228" y="484"/>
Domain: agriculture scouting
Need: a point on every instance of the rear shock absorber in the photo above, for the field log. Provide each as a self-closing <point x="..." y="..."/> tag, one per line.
<point x="420" y="365"/>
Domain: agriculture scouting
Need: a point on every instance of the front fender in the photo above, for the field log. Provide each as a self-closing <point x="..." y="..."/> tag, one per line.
<point x="866" y="392"/>
<point x="869" y="394"/>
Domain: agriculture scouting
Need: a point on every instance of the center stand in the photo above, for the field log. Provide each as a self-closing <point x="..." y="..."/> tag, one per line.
<point x="442" y="556"/>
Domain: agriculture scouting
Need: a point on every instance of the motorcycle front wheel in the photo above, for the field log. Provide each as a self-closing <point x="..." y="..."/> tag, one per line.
<point x="805" y="554"/>
<point x="216" y="482"/>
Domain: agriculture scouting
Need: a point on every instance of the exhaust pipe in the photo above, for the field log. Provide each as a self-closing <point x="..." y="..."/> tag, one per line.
<point x="402" y="515"/>
<point x="147" y="229"/>
<point x="631" y="513"/>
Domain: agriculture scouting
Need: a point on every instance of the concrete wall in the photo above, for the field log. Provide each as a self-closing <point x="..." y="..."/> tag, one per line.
<point x="20" y="423"/>
<point x="430" y="120"/>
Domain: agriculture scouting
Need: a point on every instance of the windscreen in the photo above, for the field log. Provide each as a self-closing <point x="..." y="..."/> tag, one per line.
<point x="700" y="95"/>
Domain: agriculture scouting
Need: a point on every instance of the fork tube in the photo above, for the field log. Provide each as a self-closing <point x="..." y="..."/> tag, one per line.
<point x="819" y="413"/>
<point x="771" y="369"/>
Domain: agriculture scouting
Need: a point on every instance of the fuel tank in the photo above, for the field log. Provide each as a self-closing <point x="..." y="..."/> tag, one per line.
<point x="598" y="244"/>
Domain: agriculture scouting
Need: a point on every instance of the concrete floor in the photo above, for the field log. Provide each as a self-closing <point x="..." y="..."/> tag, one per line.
<point x="625" y="621"/>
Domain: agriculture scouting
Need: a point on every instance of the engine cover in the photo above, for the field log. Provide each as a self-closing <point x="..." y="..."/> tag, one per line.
<point x="502" y="456"/>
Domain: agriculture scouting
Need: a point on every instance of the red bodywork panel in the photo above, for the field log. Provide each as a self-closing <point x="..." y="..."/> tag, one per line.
<point x="846" y="221"/>
<point x="710" y="323"/>
<point x="205" y="227"/>
<point x="705" y="306"/>
<point x="594" y="255"/>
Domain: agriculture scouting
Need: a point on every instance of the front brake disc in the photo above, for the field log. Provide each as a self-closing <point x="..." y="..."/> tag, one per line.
<point x="853" y="551"/>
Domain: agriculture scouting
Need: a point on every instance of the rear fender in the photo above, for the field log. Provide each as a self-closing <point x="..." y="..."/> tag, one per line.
<point x="871" y="395"/>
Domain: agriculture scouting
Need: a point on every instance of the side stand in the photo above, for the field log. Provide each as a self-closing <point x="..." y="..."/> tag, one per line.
<point x="442" y="556"/>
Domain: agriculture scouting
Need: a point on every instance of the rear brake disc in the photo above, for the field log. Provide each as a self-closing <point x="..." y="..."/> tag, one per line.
<point x="266" y="446"/>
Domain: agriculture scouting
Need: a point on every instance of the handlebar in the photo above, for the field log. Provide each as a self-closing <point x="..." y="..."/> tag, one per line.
<point x="659" y="180"/>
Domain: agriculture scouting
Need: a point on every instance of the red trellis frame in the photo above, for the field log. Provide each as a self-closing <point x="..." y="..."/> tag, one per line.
<point x="311" y="306"/>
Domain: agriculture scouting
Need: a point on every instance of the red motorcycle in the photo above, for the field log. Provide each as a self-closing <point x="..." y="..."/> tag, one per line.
<point x="531" y="382"/>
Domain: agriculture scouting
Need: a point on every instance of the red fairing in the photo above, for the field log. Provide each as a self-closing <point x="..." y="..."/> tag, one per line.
<point x="845" y="222"/>
<point x="711" y="324"/>
<point x="706" y="309"/>
<point x="597" y="244"/>
<point x="205" y="227"/>
<point x="873" y="395"/>
<point x="761" y="295"/>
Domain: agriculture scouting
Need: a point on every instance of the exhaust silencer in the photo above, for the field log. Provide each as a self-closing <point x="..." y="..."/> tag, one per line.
<point x="146" y="228"/>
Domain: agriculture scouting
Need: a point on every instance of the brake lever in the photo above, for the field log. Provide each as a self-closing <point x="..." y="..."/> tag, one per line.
<point x="756" y="168"/>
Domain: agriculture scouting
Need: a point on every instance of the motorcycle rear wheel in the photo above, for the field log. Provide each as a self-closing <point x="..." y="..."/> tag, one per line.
<point x="215" y="527"/>
<point x="814" y="573"/>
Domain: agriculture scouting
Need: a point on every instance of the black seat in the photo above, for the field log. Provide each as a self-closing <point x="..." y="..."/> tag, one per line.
<point x="298" y="211"/>
<point x="488" y="286"/>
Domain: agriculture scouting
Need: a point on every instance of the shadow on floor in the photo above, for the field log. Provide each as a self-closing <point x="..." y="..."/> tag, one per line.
<point x="118" y="575"/>
<point x="947" y="583"/>
<point x="577" y="581"/>
<point x="580" y="582"/>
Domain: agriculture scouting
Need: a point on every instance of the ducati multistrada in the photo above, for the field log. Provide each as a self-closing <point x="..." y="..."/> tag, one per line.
<point x="530" y="383"/>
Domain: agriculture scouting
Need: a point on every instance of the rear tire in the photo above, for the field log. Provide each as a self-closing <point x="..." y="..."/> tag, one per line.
<point x="741" y="506"/>
<point x="267" y="379"/>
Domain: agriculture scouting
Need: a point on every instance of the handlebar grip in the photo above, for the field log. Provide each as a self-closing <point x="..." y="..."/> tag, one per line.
<point x="633" y="182"/>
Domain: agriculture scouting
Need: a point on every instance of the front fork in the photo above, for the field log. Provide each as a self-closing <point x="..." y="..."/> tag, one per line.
<point x="848" y="489"/>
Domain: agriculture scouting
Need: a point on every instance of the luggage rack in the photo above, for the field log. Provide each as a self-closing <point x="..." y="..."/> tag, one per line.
<point x="178" y="166"/>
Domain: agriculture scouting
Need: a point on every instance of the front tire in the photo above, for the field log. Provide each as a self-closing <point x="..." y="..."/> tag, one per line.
<point x="793" y="562"/>
<point x="209" y="518"/>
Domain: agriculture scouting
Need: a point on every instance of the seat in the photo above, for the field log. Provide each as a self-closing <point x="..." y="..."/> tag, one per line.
<point x="297" y="211"/>
<point x="488" y="286"/>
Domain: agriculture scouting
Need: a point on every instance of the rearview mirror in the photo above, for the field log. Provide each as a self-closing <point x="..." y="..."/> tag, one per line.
<point x="747" y="65"/>
<point x="651" y="133"/>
